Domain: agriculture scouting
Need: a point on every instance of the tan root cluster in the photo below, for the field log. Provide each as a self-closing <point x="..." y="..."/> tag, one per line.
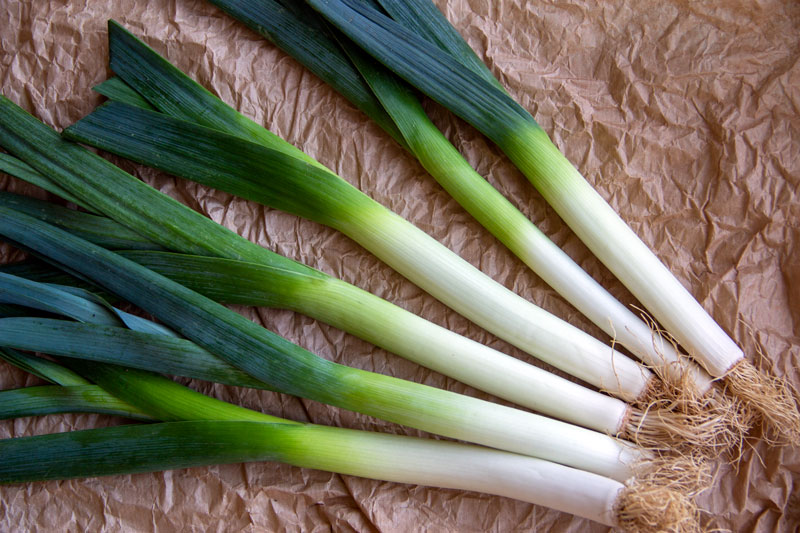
<point x="768" y="399"/>
<point x="674" y="416"/>
<point x="651" y="503"/>
<point x="677" y="417"/>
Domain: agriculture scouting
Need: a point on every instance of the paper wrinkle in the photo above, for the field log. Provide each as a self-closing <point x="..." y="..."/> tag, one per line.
<point x="683" y="115"/>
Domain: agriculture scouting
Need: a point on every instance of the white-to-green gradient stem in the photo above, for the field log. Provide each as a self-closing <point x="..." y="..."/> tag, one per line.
<point x="457" y="466"/>
<point x="526" y="241"/>
<point x="391" y="327"/>
<point x="621" y="250"/>
<point x="384" y="324"/>
<point x="462" y="287"/>
<point x="379" y="456"/>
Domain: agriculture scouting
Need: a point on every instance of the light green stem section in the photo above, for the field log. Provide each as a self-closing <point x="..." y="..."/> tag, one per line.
<point x="384" y="324"/>
<point x="54" y="399"/>
<point x="164" y="399"/>
<point x="621" y="250"/>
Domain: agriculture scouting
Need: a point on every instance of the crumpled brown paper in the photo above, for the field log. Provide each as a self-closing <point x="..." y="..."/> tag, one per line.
<point x="683" y="115"/>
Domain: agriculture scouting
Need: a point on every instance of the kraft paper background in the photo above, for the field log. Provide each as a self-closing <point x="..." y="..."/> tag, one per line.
<point x="684" y="115"/>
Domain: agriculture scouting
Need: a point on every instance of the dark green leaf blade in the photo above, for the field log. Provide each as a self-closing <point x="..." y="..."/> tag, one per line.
<point x="120" y="346"/>
<point x="99" y="230"/>
<point x="20" y="291"/>
<point x="223" y="280"/>
<point x="55" y="399"/>
<point x="227" y="280"/>
<point x="222" y="161"/>
<point x="117" y="90"/>
<point x="301" y="33"/>
<point x="38" y="270"/>
<point x="425" y="19"/>
<point x="172" y="92"/>
<point x="427" y="67"/>
<point x="135" y="448"/>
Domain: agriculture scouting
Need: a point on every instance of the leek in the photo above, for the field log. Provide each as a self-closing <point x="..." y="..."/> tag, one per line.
<point x="132" y="449"/>
<point x="446" y="79"/>
<point x="278" y="174"/>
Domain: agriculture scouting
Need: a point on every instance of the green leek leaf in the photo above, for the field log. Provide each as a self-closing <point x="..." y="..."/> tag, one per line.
<point x="119" y="91"/>
<point x="427" y="67"/>
<point x="295" y="26"/>
<point x="145" y="71"/>
<point x="97" y="229"/>
<point x="19" y="169"/>
<point x="55" y="399"/>
<point x="42" y="368"/>
<point x="423" y="18"/>
<point x="223" y="161"/>
<point x="120" y="346"/>
<point x="20" y="291"/>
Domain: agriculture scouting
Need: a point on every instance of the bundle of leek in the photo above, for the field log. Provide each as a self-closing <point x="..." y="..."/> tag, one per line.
<point x="283" y="366"/>
<point x="305" y="188"/>
<point x="146" y="348"/>
<point x="171" y="223"/>
<point x="419" y="45"/>
<point x="200" y="431"/>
